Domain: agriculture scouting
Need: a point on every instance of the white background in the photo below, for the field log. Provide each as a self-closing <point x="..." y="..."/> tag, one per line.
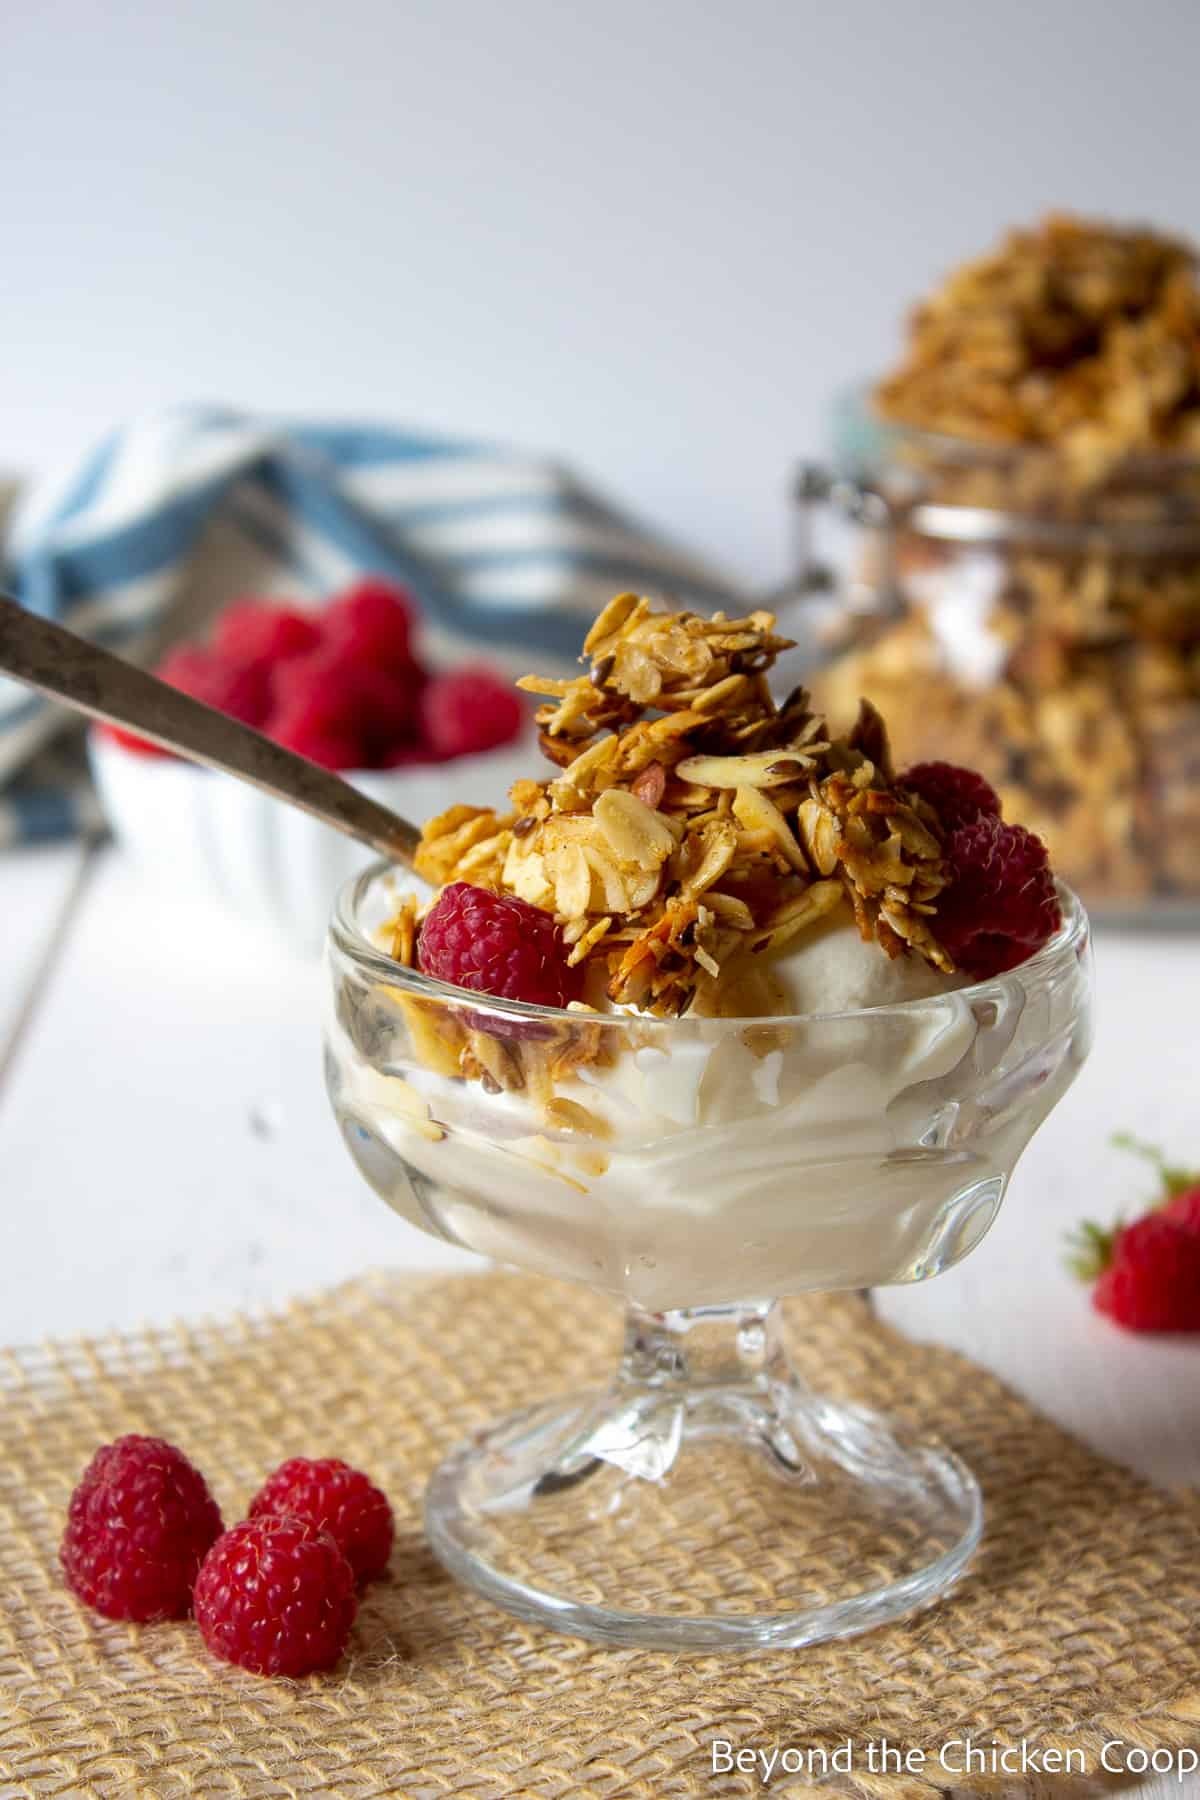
<point x="650" y="236"/>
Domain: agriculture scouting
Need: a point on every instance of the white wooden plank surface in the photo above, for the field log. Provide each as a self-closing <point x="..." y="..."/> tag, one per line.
<point x="35" y="892"/>
<point x="165" y="1142"/>
<point x="166" y="1148"/>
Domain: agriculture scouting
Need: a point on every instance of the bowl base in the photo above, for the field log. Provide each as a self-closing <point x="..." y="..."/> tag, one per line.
<point x="725" y="1518"/>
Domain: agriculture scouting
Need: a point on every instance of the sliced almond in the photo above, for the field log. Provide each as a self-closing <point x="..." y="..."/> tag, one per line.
<point x="722" y="696"/>
<point x="901" y="922"/>
<point x="546" y="684"/>
<point x="572" y="881"/>
<point x="585" y="943"/>
<point x="729" y="910"/>
<point x="798" y="915"/>
<point x="414" y="1110"/>
<point x="635" y="674"/>
<point x="761" y="769"/>
<point x="436" y="1034"/>
<point x="567" y="828"/>
<point x="525" y="874"/>
<point x="443" y="824"/>
<point x="401" y="932"/>
<point x="641" y="885"/>
<point x="568" y="1115"/>
<point x="448" y="837"/>
<point x="707" y="963"/>
<point x="634" y="832"/>
<point x="588" y="774"/>
<point x="818" y="832"/>
<point x="614" y="893"/>
<point x="758" y="813"/>
<point x="916" y="838"/>
<point x="494" y="1056"/>
<point x="716" y="844"/>
<point x="475" y="861"/>
<point x="617" y="614"/>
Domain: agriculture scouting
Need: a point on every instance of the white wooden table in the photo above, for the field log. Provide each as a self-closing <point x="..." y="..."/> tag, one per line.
<point x="166" y="1148"/>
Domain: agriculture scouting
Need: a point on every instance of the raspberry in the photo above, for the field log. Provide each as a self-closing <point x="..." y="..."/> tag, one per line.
<point x="1153" y="1280"/>
<point x="243" y="692"/>
<point x="138" y="1526"/>
<point x="372" y="622"/>
<point x="130" y="741"/>
<point x="410" y="756"/>
<point x="326" y="699"/>
<point x="496" y="944"/>
<point x="332" y="749"/>
<point x="254" y="632"/>
<point x="276" y="1596"/>
<point x="1000" y="905"/>
<point x="340" y="1500"/>
<point x="958" y="796"/>
<point x="468" y="711"/>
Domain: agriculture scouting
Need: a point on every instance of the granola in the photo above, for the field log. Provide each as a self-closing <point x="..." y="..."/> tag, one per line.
<point x="1063" y="372"/>
<point x="1076" y="334"/>
<point x="693" y="823"/>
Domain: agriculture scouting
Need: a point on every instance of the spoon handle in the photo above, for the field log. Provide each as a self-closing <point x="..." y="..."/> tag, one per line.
<point x="68" y="668"/>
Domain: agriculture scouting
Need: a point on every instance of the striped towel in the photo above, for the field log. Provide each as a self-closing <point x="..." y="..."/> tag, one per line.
<point x="177" y="513"/>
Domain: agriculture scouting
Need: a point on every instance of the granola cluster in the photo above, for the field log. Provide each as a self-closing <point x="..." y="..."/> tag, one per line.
<point x="1066" y="366"/>
<point x="1097" y="752"/>
<point x="694" y="824"/>
<point x="1072" y="333"/>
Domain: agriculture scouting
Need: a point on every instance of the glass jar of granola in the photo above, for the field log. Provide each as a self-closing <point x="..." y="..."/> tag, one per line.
<point x="1027" y="596"/>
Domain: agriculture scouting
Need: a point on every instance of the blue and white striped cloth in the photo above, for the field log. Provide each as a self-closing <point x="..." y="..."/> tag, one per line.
<point x="179" y="512"/>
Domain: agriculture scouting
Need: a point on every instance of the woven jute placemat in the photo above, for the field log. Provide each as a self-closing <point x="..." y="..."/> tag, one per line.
<point x="1075" y="1628"/>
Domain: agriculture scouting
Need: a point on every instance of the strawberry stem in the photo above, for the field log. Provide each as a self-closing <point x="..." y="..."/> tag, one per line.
<point x="1174" y="1178"/>
<point x="1090" y="1248"/>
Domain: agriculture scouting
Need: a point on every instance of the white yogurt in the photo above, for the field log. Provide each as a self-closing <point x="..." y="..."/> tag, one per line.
<point x="728" y="1161"/>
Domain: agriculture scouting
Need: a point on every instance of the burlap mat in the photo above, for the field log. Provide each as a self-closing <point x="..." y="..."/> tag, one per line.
<point x="1076" y="1626"/>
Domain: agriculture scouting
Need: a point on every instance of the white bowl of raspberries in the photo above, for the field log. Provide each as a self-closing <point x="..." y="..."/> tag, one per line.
<point x="343" y="686"/>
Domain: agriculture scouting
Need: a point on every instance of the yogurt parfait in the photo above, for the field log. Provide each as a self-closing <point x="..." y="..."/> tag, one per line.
<point x="722" y="1008"/>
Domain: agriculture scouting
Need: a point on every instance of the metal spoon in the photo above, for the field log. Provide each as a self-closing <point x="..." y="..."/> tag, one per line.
<point x="68" y="668"/>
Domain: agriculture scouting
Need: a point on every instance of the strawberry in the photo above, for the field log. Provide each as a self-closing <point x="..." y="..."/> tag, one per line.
<point x="1153" y="1280"/>
<point x="1184" y="1208"/>
<point x="1147" y="1274"/>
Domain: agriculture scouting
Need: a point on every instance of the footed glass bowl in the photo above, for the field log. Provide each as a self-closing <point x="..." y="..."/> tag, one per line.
<point x="700" y="1170"/>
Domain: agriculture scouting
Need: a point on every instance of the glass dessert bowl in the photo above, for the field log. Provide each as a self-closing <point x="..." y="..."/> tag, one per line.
<point x="700" y="1170"/>
<point x="724" y="1010"/>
